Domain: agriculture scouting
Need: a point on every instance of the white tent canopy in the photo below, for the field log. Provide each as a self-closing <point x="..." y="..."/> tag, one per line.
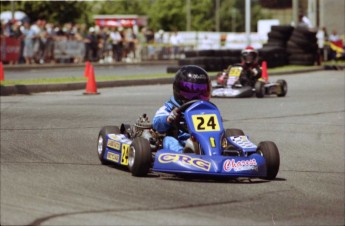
<point x="7" y="16"/>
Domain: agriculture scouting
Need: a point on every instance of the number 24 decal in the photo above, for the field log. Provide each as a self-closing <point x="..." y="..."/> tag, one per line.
<point x="204" y="123"/>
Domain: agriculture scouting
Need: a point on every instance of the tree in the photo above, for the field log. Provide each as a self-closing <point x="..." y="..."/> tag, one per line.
<point x="53" y="11"/>
<point x="168" y="15"/>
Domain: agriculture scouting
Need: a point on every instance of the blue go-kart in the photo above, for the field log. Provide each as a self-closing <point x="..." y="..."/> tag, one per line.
<point x="211" y="150"/>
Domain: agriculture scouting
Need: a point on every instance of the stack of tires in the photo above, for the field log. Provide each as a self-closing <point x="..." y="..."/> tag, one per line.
<point x="278" y="36"/>
<point x="210" y="60"/>
<point x="274" y="56"/>
<point x="274" y="51"/>
<point x="302" y="47"/>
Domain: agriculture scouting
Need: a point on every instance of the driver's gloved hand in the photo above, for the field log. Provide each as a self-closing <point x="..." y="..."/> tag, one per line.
<point x="174" y="114"/>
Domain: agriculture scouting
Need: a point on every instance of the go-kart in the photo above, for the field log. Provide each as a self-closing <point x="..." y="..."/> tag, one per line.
<point x="231" y="87"/>
<point x="210" y="151"/>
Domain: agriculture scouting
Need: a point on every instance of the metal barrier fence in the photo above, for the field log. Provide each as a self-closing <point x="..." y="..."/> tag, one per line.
<point x="69" y="51"/>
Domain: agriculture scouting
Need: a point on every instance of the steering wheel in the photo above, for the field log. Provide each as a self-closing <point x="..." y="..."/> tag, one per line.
<point x="179" y="123"/>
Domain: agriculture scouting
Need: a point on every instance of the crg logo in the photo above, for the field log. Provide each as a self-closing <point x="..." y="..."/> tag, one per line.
<point x="185" y="159"/>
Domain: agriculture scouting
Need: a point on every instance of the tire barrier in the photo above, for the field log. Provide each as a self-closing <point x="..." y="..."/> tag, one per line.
<point x="275" y="56"/>
<point x="302" y="47"/>
<point x="210" y="60"/>
<point x="285" y="45"/>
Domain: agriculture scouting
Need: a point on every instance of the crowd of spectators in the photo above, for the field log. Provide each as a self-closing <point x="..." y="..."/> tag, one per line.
<point x="43" y="42"/>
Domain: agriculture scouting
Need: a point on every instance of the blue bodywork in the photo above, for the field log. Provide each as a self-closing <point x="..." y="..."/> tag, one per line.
<point x="205" y="125"/>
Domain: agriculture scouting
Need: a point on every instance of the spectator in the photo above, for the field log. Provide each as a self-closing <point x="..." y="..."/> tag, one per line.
<point x="91" y="45"/>
<point x="334" y="36"/>
<point x="130" y="42"/>
<point x="336" y="46"/>
<point x="117" y="44"/>
<point x="150" y="40"/>
<point x="304" y="21"/>
<point x="141" y="45"/>
<point x="175" y="41"/>
<point x="17" y="34"/>
<point x="321" y="36"/>
<point x="29" y="35"/>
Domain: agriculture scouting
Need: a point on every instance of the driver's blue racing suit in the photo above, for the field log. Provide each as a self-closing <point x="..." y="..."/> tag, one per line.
<point x="160" y="124"/>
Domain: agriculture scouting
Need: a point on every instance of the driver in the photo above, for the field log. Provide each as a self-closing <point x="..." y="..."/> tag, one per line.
<point x="251" y="69"/>
<point x="191" y="83"/>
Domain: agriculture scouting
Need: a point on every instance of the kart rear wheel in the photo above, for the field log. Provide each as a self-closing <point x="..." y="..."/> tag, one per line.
<point x="102" y="137"/>
<point x="233" y="132"/>
<point x="139" y="157"/>
<point x="259" y="89"/>
<point x="269" y="151"/>
<point x="283" y="88"/>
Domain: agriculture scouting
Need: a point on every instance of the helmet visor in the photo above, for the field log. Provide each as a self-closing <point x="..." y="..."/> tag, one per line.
<point x="249" y="57"/>
<point x="194" y="91"/>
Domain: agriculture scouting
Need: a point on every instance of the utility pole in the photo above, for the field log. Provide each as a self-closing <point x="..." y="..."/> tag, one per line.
<point x="248" y="17"/>
<point x="217" y="15"/>
<point x="188" y="16"/>
<point x="295" y="12"/>
<point x="13" y="9"/>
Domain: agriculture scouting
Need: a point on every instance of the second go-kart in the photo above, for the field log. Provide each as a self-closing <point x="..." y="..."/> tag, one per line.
<point x="231" y="87"/>
<point x="211" y="151"/>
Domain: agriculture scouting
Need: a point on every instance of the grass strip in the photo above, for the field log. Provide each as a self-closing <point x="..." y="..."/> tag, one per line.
<point x="80" y="79"/>
<point x="133" y="77"/>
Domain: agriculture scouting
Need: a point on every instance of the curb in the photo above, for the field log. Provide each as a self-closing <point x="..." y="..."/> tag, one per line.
<point x="29" y="89"/>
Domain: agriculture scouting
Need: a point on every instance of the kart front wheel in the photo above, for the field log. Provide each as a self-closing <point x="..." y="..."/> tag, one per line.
<point x="259" y="89"/>
<point x="139" y="157"/>
<point x="283" y="88"/>
<point x="102" y="137"/>
<point x="269" y="151"/>
<point x="233" y="132"/>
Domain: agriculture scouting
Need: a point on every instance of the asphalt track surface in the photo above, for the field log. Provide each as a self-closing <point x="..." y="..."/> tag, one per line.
<point x="51" y="175"/>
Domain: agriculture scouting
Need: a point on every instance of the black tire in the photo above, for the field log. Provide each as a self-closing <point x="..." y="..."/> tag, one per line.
<point x="269" y="151"/>
<point x="286" y="29"/>
<point x="173" y="69"/>
<point x="233" y="132"/>
<point x="283" y="87"/>
<point x="259" y="89"/>
<point x="101" y="145"/>
<point x="139" y="157"/>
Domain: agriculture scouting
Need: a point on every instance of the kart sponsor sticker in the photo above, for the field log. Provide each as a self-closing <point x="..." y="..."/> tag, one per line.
<point x="212" y="142"/>
<point x="113" y="157"/>
<point x="243" y="142"/>
<point x="232" y="164"/>
<point x="206" y="123"/>
<point x="184" y="159"/>
<point x="117" y="137"/>
<point x="124" y="154"/>
<point x="113" y="144"/>
<point x="235" y="71"/>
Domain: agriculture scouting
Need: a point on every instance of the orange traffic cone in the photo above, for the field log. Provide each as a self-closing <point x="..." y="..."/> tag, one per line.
<point x="91" y="87"/>
<point x="264" y="71"/>
<point x="87" y="68"/>
<point x="2" y="74"/>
